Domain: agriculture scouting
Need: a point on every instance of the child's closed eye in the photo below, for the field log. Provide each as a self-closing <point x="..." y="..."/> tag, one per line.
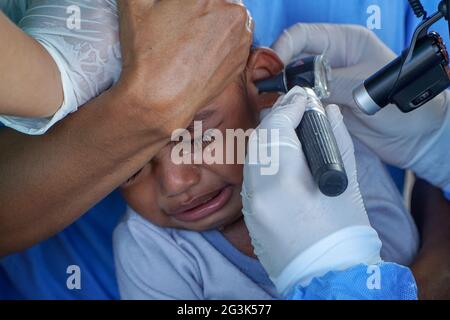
<point x="133" y="177"/>
<point x="141" y="173"/>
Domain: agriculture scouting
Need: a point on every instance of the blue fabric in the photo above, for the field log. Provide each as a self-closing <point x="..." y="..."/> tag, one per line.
<point x="40" y="272"/>
<point x="397" y="19"/>
<point x="14" y="9"/>
<point x="447" y="195"/>
<point x="360" y="283"/>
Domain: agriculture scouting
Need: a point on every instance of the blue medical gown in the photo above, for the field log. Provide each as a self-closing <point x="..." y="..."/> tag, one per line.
<point x="385" y="281"/>
<point x="40" y="272"/>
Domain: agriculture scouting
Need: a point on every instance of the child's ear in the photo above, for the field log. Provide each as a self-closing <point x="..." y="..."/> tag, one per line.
<point x="263" y="64"/>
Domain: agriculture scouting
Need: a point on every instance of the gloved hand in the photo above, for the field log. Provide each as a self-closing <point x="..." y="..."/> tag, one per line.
<point x="417" y="140"/>
<point x="297" y="232"/>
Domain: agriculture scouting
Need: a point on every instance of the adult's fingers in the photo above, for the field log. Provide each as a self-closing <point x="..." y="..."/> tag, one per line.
<point x="315" y="39"/>
<point x="287" y="112"/>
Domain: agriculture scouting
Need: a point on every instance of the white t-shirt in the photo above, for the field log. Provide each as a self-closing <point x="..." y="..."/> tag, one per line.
<point x="162" y="263"/>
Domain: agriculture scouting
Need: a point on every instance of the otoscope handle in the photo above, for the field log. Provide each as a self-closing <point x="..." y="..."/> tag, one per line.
<point x="315" y="134"/>
<point x="322" y="153"/>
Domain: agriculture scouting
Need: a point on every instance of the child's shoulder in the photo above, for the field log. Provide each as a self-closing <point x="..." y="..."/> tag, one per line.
<point x="133" y="223"/>
<point x="134" y="229"/>
<point x="151" y="264"/>
<point x="135" y="237"/>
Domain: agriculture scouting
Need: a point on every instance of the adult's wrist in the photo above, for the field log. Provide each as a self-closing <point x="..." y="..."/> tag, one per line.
<point x="331" y="254"/>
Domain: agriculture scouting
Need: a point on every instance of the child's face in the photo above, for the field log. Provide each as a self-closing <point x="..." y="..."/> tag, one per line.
<point x="202" y="197"/>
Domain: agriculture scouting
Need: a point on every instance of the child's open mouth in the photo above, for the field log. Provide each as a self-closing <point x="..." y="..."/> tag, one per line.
<point x="202" y="208"/>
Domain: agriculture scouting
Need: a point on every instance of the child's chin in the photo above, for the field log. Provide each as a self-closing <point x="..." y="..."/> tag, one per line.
<point x="216" y="221"/>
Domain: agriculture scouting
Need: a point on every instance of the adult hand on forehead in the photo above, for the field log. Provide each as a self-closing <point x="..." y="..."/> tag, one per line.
<point x="180" y="54"/>
<point x="417" y="140"/>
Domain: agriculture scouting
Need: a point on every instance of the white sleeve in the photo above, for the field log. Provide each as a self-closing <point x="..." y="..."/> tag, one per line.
<point x="83" y="38"/>
<point x="385" y="208"/>
<point x="434" y="165"/>
<point x="151" y="265"/>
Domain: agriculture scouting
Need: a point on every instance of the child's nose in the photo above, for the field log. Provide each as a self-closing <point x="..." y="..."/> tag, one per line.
<point x="177" y="179"/>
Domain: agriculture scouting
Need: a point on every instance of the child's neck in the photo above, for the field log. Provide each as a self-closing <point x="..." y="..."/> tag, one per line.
<point x="237" y="234"/>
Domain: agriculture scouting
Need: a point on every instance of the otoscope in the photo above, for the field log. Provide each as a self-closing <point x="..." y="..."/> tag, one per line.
<point x="315" y="132"/>
<point x="417" y="76"/>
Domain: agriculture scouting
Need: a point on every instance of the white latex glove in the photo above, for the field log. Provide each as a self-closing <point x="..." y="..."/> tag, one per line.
<point x="83" y="38"/>
<point x="297" y="232"/>
<point x="418" y="140"/>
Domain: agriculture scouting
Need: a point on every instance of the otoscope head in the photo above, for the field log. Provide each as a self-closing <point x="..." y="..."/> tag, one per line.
<point x="311" y="72"/>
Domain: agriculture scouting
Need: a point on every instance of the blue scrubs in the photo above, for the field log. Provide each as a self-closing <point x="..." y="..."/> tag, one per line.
<point x="396" y="20"/>
<point x="40" y="272"/>
<point x="385" y="281"/>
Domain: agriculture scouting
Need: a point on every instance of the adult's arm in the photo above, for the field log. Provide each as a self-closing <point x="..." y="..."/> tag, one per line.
<point x="49" y="181"/>
<point x="30" y="83"/>
<point x="432" y="214"/>
<point x="417" y="140"/>
<point x="327" y="244"/>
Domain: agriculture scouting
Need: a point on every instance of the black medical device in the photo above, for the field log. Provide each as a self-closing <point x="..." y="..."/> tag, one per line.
<point x="417" y="76"/>
<point x="315" y="132"/>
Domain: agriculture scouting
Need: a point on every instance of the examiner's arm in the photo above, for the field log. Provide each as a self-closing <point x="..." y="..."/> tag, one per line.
<point x="314" y="247"/>
<point x="30" y="83"/>
<point x="418" y="140"/>
<point x="47" y="182"/>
